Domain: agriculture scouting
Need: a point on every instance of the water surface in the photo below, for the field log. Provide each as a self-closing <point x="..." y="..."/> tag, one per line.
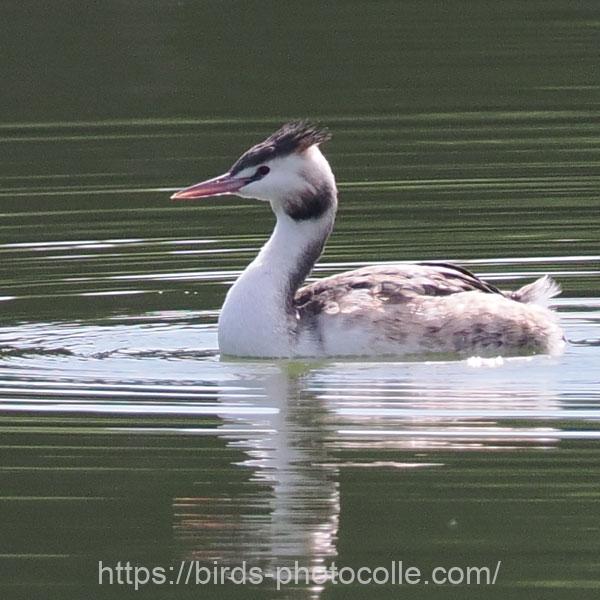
<point x="465" y="133"/>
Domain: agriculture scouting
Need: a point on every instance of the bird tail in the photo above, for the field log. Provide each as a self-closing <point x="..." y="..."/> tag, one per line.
<point x="541" y="291"/>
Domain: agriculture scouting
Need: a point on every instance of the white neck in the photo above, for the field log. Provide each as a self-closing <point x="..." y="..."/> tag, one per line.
<point x="258" y="317"/>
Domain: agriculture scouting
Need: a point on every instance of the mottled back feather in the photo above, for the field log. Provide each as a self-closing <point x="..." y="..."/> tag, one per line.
<point x="426" y="307"/>
<point x="389" y="284"/>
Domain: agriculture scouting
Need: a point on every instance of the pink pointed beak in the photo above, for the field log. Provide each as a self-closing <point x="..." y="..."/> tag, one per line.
<point x="224" y="184"/>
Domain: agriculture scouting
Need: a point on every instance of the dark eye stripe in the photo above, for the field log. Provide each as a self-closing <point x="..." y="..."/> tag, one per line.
<point x="259" y="174"/>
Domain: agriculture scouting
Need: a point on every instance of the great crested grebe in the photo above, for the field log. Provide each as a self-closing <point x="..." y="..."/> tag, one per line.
<point x="373" y="311"/>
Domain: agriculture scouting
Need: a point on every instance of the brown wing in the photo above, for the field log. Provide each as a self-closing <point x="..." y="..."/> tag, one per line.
<point x="390" y="284"/>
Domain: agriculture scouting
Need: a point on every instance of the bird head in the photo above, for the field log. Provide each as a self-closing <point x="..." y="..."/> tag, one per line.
<point x="287" y="169"/>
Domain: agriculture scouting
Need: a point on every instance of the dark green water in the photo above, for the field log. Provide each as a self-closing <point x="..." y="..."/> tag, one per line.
<point x="467" y="131"/>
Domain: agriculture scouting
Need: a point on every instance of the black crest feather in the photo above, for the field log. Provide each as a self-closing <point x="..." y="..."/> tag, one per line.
<point x="295" y="136"/>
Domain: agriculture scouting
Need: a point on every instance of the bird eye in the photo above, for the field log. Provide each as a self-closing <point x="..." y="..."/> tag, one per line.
<point x="263" y="170"/>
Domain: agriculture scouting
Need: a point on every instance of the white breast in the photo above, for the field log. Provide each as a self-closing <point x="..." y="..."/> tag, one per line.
<point x="252" y="323"/>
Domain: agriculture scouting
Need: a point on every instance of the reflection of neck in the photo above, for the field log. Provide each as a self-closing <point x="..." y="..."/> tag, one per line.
<point x="286" y="447"/>
<point x="305" y="501"/>
<point x="258" y="316"/>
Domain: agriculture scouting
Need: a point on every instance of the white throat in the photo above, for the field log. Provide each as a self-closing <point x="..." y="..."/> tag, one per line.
<point x="258" y="317"/>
